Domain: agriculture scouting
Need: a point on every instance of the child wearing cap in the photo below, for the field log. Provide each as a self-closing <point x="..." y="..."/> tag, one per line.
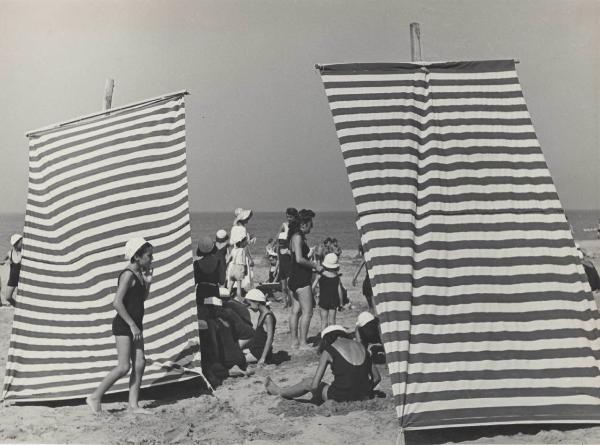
<point x="261" y="346"/>
<point x="14" y="257"/>
<point x="330" y="290"/>
<point x="354" y="373"/>
<point x="132" y="290"/>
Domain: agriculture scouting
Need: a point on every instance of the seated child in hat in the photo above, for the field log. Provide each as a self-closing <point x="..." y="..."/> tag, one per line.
<point x="330" y="290"/>
<point x="368" y="333"/>
<point x="355" y="375"/>
<point x="261" y="346"/>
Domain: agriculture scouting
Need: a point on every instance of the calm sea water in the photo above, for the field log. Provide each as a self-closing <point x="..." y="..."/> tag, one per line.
<point x="264" y="225"/>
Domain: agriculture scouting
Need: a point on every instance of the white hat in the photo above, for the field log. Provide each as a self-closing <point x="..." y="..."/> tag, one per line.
<point x="222" y="235"/>
<point x="331" y="261"/>
<point x="213" y="301"/>
<point x="238" y="233"/>
<point x="132" y="246"/>
<point x="364" y="318"/>
<point x="242" y="214"/>
<point x="256" y="295"/>
<point x="282" y="236"/>
<point x="224" y="293"/>
<point x="14" y="238"/>
<point x="331" y="328"/>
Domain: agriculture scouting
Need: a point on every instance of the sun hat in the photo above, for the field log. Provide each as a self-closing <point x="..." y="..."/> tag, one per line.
<point x="238" y="233"/>
<point x="331" y="261"/>
<point x="332" y="328"/>
<point x="222" y="235"/>
<point x="256" y="295"/>
<point x="133" y="245"/>
<point x="364" y="318"/>
<point x="205" y="245"/>
<point x="213" y="301"/>
<point x="242" y="214"/>
<point x="15" y="238"/>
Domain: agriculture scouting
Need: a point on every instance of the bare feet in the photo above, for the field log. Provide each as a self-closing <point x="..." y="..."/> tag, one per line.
<point x="139" y="410"/>
<point x="94" y="404"/>
<point x="271" y="387"/>
<point x="305" y="347"/>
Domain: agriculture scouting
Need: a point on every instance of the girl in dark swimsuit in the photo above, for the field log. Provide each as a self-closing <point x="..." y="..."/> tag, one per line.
<point x="132" y="291"/>
<point x="14" y="257"/>
<point x="354" y="375"/>
<point x="301" y="272"/>
<point x="261" y="346"/>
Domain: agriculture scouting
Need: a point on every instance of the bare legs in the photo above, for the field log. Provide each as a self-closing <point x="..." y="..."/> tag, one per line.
<point x="306" y="308"/>
<point x="294" y="317"/>
<point x="286" y="293"/>
<point x="127" y="352"/>
<point x="298" y="390"/>
<point x="9" y="294"/>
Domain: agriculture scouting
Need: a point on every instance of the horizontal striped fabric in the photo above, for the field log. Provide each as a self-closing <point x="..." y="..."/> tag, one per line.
<point x="486" y="314"/>
<point x="93" y="185"/>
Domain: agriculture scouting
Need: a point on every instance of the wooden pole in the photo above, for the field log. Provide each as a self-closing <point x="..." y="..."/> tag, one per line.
<point x="415" y="42"/>
<point x="108" y="93"/>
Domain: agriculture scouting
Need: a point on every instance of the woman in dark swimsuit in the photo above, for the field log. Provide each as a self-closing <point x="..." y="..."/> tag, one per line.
<point x="132" y="290"/>
<point x="354" y="374"/>
<point x="301" y="272"/>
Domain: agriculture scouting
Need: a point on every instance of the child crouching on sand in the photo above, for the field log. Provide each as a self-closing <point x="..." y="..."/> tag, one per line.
<point x="355" y="375"/>
<point x="133" y="288"/>
<point x="261" y="346"/>
<point x="330" y="290"/>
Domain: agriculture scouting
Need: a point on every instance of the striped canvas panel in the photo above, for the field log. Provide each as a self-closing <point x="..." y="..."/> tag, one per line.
<point x="93" y="185"/>
<point x="486" y="314"/>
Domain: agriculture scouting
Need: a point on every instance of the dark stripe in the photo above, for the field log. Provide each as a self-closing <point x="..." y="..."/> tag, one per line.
<point x="430" y="94"/>
<point x="47" y="163"/>
<point x="551" y="373"/>
<point x="485" y="227"/>
<point x="443" y="182"/>
<point x="434" y="108"/>
<point x="505" y="414"/>
<point x="462" y="67"/>
<point x="522" y="336"/>
<point x="468" y="244"/>
<point x="447" y="167"/>
<point x="456" y="199"/>
<point x="53" y="172"/>
<point x="432" y="123"/>
<point x="377" y="150"/>
<point x="446" y="137"/>
<point x="419" y="83"/>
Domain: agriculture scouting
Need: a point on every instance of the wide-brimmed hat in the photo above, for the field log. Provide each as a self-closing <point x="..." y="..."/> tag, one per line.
<point x="132" y="246"/>
<point x="331" y="261"/>
<point x="205" y="245"/>
<point x="242" y="215"/>
<point x="364" y="318"/>
<point x="256" y="295"/>
<point x="213" y="301"/>
<point x="332" y="328"/>
<point x="222" y="236"/>
<point x="15" y="238"/>
<point x="238" y="233"/>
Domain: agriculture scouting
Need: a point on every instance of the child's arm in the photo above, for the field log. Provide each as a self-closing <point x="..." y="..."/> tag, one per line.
<point x="270" y="334"/>
<point x="340" y="293"/>
<point x="357" y="272"/>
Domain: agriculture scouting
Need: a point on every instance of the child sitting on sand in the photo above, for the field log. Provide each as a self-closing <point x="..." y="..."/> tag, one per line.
<point x="355" y="376"/>
<point x="330" y="290"/>
<point x="133" y="288"/>
<point x="261" y="346"/>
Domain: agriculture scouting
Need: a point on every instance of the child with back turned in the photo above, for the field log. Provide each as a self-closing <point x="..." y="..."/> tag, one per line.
<point x="330" y="290"/>
<point x="238" y="259"/>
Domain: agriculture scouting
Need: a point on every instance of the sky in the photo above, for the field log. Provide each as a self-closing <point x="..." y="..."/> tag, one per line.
<point x="259" y="129"/>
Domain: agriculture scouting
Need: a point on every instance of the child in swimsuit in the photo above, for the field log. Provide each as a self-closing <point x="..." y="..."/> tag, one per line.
<point x="354" y="374"/>
<point x="330" y="290"/>
<point x="237" y="258"/>
<point x="14" y="257"/>
<point x="133" y="288"/>
<point x="261" y="346"/>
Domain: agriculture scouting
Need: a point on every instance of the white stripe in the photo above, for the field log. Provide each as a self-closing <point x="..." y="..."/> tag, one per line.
<point x="454" y="190"/>
<point x="432" y="130"/>
<point x="447" y="115"/>
<point x="455" y="174"/>
<point x="432" y="75"/>
<point x="473" y="205"/>
<point x="425" y="105"/>
<point x="413" y="89"/>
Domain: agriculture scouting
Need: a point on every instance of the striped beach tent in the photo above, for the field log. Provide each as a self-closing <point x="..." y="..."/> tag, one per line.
<point x="93" y="184"/>
<point x="485" y="311"/>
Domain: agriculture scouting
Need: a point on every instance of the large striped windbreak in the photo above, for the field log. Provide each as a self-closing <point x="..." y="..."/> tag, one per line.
<point x="485" y="311"/>
<point x="93" y="184"/>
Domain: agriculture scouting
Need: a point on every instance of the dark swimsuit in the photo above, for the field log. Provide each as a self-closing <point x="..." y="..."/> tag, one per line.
<point x="260" y="339"/>
<point x="15" y="272"/>
<point x="134" y="305"/>
<point x="329" y="292"/>
<point x="350" y="382"/>
<point x="300" y="276"/>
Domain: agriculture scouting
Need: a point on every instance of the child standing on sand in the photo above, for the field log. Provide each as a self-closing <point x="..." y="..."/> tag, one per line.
<point x="330" y="290"/>
<point x="237" y="258"/>
<point x="14" y="257"/>
<point x="133" y="288"/>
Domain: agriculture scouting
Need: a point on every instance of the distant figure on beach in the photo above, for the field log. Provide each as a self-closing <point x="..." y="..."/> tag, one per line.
<point x="354" y="374"/>
<point x="14" y="257"/>
<point x="330" y="290"/>
<point x="300" y="281"/>
<point x="261" y="346"/>
<point x="127" y="327"/>
<point x="366" y="285"/>
<point x="242" y="217"/>
<point x="335" y="248"/>
<point x="222" y="244"/>
<point x="284" y="259"/>
<point x="237" y="259"/>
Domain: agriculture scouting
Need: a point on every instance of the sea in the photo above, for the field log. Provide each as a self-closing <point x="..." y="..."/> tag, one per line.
<point x="265" y="225"/>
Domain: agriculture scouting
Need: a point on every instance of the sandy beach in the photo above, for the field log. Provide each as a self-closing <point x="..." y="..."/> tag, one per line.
<point x="240" y="411"/>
